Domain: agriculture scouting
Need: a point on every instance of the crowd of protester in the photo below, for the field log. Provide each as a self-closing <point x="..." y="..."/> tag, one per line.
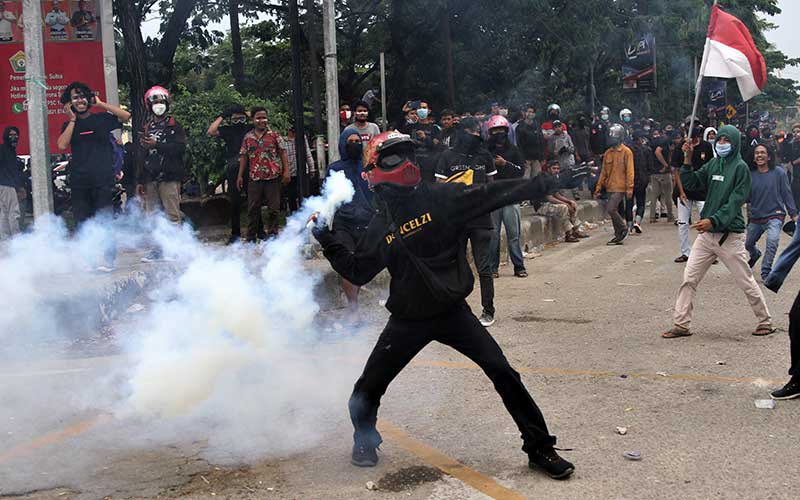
<point x="628" y="162"/>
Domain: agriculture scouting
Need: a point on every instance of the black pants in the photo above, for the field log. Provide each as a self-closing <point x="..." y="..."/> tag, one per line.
<point x="640" y="196"/>
<point x="88" y="202"/>
<point x="481" y="242"/>
<point x="402" y="339"/>
<point x="292" y="199"/>
<point x="235" y="198"/>
<point x="794" y="337"/>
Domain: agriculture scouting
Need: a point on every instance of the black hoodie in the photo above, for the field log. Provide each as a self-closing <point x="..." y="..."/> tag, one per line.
<point x="428" y="265"/>
<point x="10" y="166"/>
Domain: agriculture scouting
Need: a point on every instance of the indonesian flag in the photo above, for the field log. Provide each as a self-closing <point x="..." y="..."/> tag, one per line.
<point x="731" y="53"/>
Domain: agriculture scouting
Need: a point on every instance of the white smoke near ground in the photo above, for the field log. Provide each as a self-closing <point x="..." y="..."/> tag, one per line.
<point x="228" y="351"/>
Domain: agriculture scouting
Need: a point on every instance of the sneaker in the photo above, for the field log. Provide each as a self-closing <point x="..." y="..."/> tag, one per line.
<point x="622" y="236"/>
<point x="614" y="241"/>
<point x="579" y="234"/>
<point x="637" y="229"/>
<point x="789" y="391"/>
<point x="153" y="256"/>
<point x="682" y="259"/>
<point x="548" y="460"/>
<point x="233" y="239"/>
<point x="364" y="456"/>
<point x="486" y="319"/>
<point x="570" y="238"/>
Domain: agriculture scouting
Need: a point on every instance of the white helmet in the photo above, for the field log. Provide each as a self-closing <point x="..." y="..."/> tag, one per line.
<point x="625" y="115"/>
<point x="554" y="107"/>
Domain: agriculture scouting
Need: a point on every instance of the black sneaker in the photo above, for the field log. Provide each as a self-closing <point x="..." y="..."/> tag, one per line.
<point x="789" y="391"/>
<point x="364" y="456"/>
<point x="548" y="460"/>
<point x="614" y="241"/>
<point x="623" y="235"/>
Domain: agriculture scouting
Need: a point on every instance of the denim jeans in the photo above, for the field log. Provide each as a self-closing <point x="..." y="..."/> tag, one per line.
<point x="684" y="216"/>
<point x="784" y="264"/>
<point x="509" y="217"/>
<point x="754" y="231"/>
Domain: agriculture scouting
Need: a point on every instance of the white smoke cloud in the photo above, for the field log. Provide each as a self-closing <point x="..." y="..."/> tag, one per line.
<point x="229" y="350"/>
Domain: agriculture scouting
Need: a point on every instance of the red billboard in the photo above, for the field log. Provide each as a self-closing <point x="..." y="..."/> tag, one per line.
<point x="73" y="51"/>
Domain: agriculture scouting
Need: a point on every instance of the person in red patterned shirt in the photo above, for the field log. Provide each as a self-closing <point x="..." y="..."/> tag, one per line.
<point x="263" y="154"/>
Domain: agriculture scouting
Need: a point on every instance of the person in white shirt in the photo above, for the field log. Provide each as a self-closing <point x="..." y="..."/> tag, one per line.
<point x="57" y="20"/>
<point x="6" y="28"/>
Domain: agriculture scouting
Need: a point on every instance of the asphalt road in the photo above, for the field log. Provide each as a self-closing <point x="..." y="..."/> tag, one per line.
<point x="583" y="330"/>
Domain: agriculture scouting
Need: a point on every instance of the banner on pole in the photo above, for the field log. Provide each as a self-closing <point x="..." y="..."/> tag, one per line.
<point x="716" y="93"/>
<point x="73" y="51"/>
<point x="639" y="67"/>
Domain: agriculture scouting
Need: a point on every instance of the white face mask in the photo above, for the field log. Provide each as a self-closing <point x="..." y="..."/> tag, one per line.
<point x="159" y="109"/>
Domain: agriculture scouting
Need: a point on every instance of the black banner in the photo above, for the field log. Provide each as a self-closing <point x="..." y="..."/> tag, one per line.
<point x="639" y="67"/>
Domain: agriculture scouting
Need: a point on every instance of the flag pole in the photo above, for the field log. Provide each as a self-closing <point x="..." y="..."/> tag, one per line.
<point x="699" y="85"/>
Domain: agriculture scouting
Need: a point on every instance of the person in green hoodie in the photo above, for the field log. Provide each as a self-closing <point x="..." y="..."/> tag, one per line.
<point x="726" y="182"/>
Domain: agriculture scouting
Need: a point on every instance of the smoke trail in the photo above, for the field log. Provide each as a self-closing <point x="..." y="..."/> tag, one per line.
<point x="227" y="352"/>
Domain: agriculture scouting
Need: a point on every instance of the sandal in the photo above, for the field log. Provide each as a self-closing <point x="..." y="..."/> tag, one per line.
<point x="675" y="332"/>
<point x="763" y="330"/>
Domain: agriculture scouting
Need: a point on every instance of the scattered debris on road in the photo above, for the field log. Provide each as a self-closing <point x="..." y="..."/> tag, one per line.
<point x="632" y="455"/>
<point x="371" y="486"/>
<point x="622" y="431"/>
<point x="765" y="404"/>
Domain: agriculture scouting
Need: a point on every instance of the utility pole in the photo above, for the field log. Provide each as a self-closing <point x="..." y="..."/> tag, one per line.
<point x="297" y="99"/>
<point x="331" y="78"/>
<point x="385" y="124"/>
<point x="36" y="89"/>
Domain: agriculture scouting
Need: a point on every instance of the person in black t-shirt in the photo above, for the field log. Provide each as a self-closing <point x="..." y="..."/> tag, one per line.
<point x="702" y="153"/>
<point x="470" y="163"/>
<point x="231" y="126"/>
<point x="91" y="168"/>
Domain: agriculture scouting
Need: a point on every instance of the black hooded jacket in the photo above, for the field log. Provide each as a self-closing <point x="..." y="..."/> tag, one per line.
<point x="10" y="166"/>
<point x="418" y="234"/>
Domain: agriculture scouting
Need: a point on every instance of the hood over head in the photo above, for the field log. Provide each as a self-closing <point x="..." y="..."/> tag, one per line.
<point x="7" y="133"/>
<point x="343" y="146"/>
<point x="708" y="131"/>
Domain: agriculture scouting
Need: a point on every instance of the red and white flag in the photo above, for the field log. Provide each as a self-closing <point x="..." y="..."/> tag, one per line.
<point x="731" y="53"/>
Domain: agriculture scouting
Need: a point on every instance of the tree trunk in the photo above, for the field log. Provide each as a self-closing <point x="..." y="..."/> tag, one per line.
<point x="237" y="68"/>
<point x="312" y="34"/>
<point x="136" y="60"/>
<point x="170" y="39"/>
<point x="448" y="48"/>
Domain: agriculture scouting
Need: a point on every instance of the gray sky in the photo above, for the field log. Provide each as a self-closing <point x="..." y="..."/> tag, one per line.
<point x="785" y="37"/>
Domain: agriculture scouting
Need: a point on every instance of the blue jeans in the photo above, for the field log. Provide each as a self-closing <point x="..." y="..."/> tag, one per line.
<point x="785" y="263"/>
<point x="754" y="231"/>
<point x="509" y="217"/>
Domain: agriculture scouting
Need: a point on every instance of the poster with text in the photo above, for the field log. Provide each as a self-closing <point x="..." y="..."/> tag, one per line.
<point x="66" y="60"/>
<point x="639" y="66"/>
<point x="10" y="21"/>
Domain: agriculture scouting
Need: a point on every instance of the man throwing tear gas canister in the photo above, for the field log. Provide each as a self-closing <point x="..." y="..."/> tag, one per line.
<point x="417" y="233"/>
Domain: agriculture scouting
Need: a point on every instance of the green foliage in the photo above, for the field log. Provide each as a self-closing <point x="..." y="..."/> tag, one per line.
<point x="195" y="111"/>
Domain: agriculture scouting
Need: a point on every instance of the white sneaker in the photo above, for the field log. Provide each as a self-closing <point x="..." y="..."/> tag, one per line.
<point x="486" y="320"/>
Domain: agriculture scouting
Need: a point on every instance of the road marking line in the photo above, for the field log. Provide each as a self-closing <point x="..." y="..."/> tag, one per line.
<point x="435" y="458"/>
<point x="51" y="438"/>
<point x="468" y="365"/>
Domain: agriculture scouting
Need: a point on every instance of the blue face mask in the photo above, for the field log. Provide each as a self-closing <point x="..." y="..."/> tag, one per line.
<point x="626" y="119"/>
<point x="723" y="149"/>
<point x="422" y="113"/>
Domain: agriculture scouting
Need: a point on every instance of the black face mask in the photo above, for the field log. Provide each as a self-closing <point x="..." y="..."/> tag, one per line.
<point x="354" y="150"/>
<point x="12" y="141"/>
<point x="498" y="139"/>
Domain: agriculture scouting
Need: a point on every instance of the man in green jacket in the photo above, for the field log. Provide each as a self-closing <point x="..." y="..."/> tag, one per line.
<point x="726" y="181"/>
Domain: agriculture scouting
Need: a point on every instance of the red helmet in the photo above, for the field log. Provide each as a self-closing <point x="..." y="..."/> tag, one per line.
<point x="155" y="92"/>
<point x="389" y="159"/>
<point x="497" y="121"/>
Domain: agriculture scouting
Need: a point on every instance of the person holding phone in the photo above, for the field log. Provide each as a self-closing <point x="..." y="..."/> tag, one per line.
<point x="91" y="166"/>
